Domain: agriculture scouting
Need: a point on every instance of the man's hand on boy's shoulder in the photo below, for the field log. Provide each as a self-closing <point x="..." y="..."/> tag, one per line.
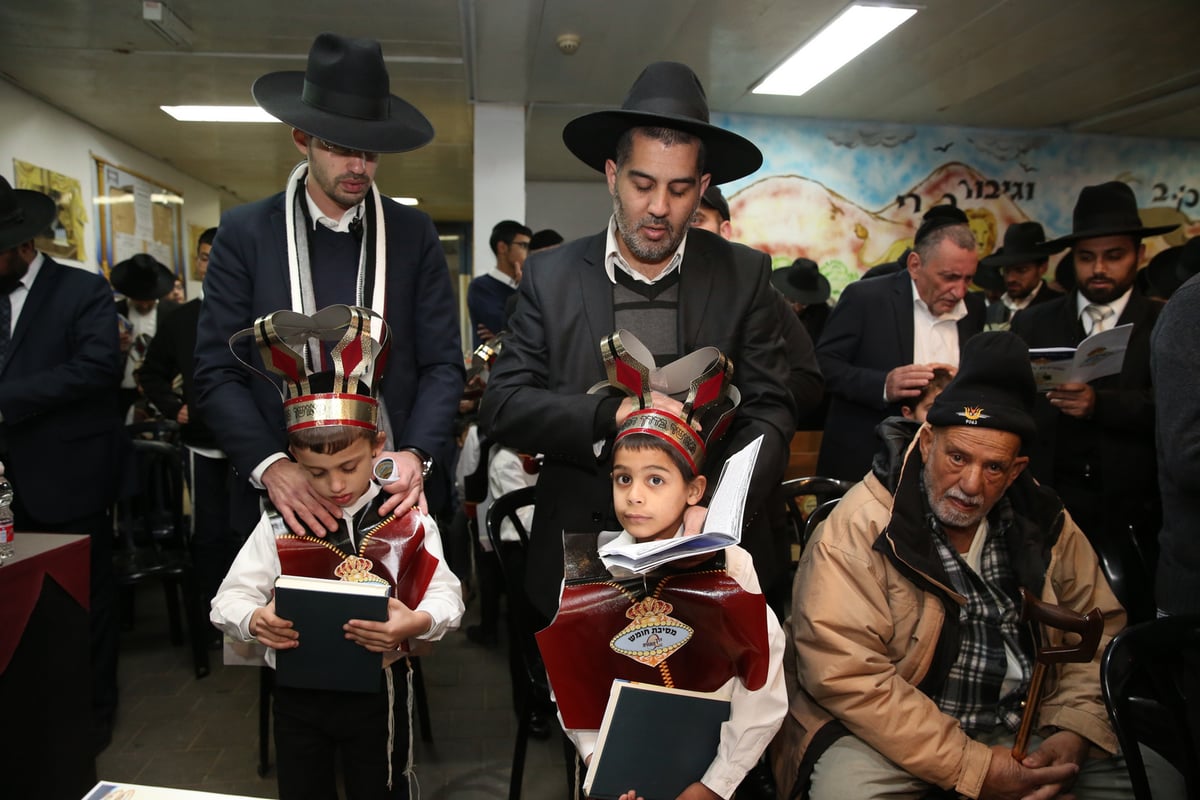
<point x="273" y="631"/>
<point x="296" y="500"/>
<point x="384" y="637"/>
<point x="407" y="487"/>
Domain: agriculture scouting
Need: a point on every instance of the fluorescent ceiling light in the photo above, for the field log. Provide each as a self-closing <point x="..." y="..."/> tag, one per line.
<point x="167" y="24"/>
<point x="407" y="201"/>
<point x="218" y="114"/>
<point x="838" y="43"/>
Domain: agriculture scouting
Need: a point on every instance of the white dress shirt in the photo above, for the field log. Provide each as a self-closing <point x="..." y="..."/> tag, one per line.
<point x="613" y="260"/>
<point x="935" y="338"/>
<point x="1117" y="306"/>
<point x="18" y="296"/>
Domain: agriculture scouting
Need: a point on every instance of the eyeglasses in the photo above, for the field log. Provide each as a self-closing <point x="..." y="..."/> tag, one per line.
<point x="517" y="243"/>
<point x="345" y="152"/>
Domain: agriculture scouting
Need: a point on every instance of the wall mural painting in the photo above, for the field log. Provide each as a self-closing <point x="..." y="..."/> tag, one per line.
<point x="851" y="196"/>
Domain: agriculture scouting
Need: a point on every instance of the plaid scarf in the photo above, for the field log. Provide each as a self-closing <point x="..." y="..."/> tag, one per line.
<point x="987" y="621"/>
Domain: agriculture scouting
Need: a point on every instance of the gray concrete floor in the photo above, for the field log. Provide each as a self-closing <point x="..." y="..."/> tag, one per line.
<point x="174" y="730"/>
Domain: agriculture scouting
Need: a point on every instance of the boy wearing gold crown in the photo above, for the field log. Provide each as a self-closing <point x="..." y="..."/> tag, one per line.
<point x="731" y="639"/>
<point x="334" y="436"/>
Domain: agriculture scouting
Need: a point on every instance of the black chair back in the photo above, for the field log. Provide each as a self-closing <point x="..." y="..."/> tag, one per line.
<point x="1150" y="678"/>
<point x="153" y="543"/>
<point x="826" y="491"/>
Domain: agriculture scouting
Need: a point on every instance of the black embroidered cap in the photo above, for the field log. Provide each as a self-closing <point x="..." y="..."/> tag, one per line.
<point x="994" y="387"/>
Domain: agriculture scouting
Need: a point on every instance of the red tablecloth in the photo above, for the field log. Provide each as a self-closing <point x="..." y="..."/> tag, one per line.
<point x="62" y="556"/>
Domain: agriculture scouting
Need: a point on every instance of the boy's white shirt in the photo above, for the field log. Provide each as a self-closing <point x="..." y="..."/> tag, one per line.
<point x="506" y="473"/>
<point x="250" y="582"/>
<point x="755" y="716"/>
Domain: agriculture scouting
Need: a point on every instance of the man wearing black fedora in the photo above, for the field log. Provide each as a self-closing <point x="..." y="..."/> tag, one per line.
<point x="1021" y="263"/>
<point x="676" y="289"/>
<point x="1095" y="441"/>
<point x="61" y="442"/>
<point x="145" y="282"/>
<point x="886" y="335"/>
<point x="332" y="237"/>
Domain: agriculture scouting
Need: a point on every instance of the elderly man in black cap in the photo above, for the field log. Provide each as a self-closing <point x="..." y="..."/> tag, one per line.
<point x="676" y="288"/>
<point x="909" y="662"/>
<point x="1020" y="263"/>
<point x="332" y="237"/>
<point x="145" y="282"/>
<point x="61" y="441"/>
<point x="1095" y="441"/>
<point x="886" y="336"/>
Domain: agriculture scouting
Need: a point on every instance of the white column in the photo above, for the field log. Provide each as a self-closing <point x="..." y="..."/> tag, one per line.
<point x="499" y="174"/>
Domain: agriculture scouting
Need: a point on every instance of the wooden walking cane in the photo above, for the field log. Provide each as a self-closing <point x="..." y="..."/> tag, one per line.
<point x="1089" y="626"/>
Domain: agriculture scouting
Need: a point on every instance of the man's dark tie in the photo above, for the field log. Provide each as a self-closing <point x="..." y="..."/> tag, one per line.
<point x="5" y="327"/>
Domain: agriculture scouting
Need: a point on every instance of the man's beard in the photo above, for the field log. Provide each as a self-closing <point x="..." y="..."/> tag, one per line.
<point x="648" y="252"/>
<point x="1104" y="295"/>
<point x="948" y="515"/>
<point x="10" y="281"/>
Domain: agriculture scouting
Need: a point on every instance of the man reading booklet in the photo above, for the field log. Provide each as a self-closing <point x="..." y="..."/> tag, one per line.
<point x="332" y="426"/>
<point x="699" y="624"/>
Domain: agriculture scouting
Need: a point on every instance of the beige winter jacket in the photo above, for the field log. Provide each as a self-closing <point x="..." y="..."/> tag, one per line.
<point x="867" y="620"/>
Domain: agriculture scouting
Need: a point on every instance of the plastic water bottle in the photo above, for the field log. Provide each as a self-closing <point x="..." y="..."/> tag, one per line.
<point x="6" y="518"/>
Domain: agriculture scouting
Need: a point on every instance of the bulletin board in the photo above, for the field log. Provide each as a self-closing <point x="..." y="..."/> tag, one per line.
<point x="137" y="214"/>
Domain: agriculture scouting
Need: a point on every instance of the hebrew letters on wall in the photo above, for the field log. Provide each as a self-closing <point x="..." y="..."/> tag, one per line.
<point x="850" y="195"/>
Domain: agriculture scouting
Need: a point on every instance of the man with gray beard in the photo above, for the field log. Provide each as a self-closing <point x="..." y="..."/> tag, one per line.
<point x="675" y="289"/>
<point x="909" y="662"/>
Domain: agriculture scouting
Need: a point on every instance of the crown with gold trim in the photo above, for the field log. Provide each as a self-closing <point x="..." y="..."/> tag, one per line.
<point x="701" y="380"/>
<point x="331" y="363"/>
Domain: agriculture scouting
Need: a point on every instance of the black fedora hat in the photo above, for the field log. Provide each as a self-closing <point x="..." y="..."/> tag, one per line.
<point x="714" y="199"/>
<point x="1023" y="242"/>
<point x="23" y="214"/>
<point x="142" y="277"/>
<point x="1169" y="268"/>
<point x="343" y="97"/>
<point x="802" y="282"/>
<point x="666" y="95"/>
<point x="1109" y="209"/>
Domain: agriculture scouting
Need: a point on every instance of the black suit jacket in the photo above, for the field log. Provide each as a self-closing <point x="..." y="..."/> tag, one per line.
<point x="998" y="313"/>
<point x="868" y="334"/>
<point x="171" y="353"/>
<point x="248" y="277"/>
<point x="1119" y="437"/>
<point x="58" y="394"/>
<point x="536" y="399"/>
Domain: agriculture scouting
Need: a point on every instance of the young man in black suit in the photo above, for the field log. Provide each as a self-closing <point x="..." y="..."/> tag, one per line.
<point x="330" y="238"/>
<point x="1095" y="442"/>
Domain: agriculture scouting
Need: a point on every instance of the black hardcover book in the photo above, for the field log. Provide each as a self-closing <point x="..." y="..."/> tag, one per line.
<point x="654" y="740"/>
<point x="326" y="659"/>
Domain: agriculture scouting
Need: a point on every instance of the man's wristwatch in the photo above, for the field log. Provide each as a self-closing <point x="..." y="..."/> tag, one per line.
<point x="425" y="459"/>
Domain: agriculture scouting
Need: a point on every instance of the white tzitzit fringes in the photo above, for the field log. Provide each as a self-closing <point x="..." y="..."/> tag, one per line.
<point x="408" y="765"/>
<point x="391" y="740"/>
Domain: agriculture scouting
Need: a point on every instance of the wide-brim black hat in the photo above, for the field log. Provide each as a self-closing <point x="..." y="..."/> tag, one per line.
<point x="666" y="95"/>
<point x="142" y="277"/>
<point x="1168" y="270"/>
<point x="343" y="97"/>
<point x="23" y="214"/>
<point x="802" y="282"/>
<point x="1109" y="209"/>
<point x="988" y="277"/>
<point x="1023" y="242"/>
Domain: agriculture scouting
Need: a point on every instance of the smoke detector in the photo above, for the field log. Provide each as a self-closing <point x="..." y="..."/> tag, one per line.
<point x="568" y="43"/>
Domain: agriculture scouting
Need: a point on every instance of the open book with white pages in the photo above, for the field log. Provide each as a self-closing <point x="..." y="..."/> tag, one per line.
<point x="722" y="526"/>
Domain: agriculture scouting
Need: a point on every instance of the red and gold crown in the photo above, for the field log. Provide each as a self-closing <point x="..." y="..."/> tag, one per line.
<point x="701" y="380"/>
<point x="323" y="385"/>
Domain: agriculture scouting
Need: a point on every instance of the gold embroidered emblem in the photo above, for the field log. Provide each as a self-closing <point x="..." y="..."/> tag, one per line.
<point x="357" y="569"/>
<point x="653" y="635"/>
<point x="973" y="414"/>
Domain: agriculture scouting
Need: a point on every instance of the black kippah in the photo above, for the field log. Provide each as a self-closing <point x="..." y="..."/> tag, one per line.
<point x="939" y="217"/>
<point x="994" y="387"/>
